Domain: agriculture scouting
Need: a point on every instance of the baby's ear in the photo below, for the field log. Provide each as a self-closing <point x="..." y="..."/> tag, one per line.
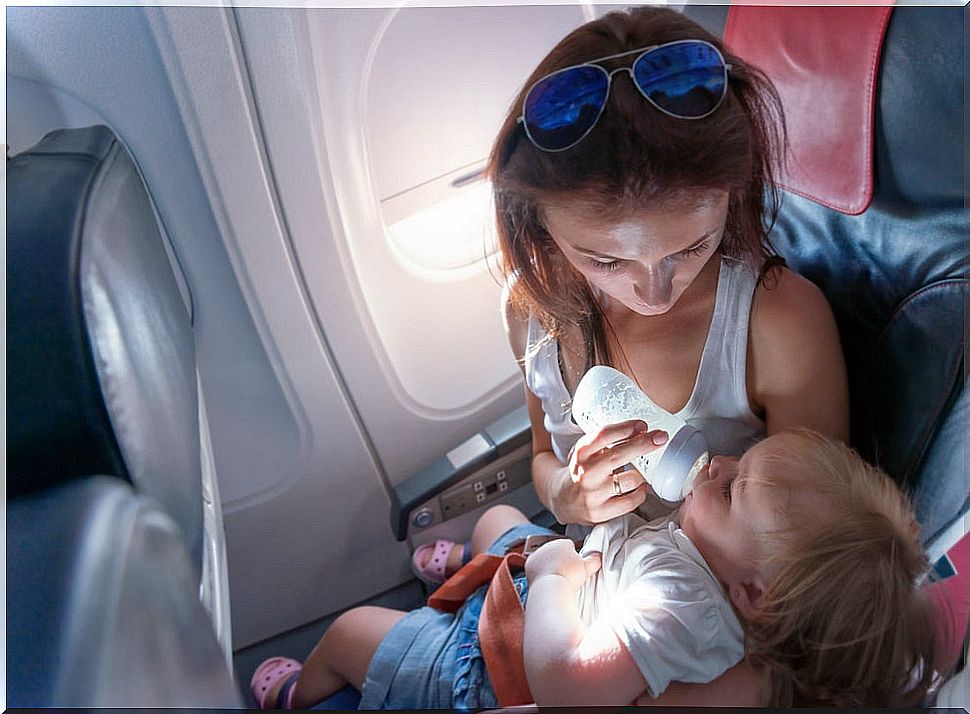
<point x="748" y="597"/>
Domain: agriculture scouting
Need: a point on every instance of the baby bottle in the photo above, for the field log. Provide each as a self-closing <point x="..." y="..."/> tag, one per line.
<point x="606" y="396"/>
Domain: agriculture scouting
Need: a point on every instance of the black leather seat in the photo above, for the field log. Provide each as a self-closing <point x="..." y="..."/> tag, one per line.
<point x="896" y="274"/>
<point x="106" y="524"/>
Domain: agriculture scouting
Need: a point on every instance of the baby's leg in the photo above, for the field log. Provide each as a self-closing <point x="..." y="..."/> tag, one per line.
<point x="343" y="654"/>
<point x="492" y="524"/>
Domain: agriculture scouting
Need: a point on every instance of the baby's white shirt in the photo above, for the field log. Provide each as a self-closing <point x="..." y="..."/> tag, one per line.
<point x="659" y="596"/>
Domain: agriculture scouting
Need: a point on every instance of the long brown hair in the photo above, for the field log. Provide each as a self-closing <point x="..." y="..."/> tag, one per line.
<point x="635" y="157"/>
<point x="844" y="622"/>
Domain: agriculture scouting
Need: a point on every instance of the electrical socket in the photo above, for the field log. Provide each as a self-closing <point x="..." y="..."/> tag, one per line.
<point x="458" y="501"/>
<point x="486" y="485"/>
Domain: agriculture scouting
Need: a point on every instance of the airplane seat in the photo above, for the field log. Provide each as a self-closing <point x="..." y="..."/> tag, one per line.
<point x="106" y="524"/>
<point x="873" y="213"/>
<point x="102" y="604"/>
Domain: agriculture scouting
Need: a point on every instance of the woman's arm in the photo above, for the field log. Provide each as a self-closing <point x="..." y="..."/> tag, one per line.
<point x="795" y="369"/>
<point x="549" y="475"/>
<point x="741" y="686"/>
<point x="582" y="490"/>
<point x="566" y="663"/>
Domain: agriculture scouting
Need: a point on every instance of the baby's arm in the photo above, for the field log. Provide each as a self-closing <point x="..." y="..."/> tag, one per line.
<point x="567" y="663"/>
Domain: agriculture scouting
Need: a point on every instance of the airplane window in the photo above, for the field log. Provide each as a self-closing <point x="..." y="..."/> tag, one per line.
<point x="409" y="100"/>
<point x="437" y="90"/>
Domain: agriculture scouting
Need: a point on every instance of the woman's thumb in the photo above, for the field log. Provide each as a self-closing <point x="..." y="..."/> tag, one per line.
<point x="593" y="562"/>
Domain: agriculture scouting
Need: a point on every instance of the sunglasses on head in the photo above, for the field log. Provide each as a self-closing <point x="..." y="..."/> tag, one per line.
<point x="686" y="79"/>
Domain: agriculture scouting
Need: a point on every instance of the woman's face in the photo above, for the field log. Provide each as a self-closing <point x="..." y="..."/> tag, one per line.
<point x="648" y="259"/>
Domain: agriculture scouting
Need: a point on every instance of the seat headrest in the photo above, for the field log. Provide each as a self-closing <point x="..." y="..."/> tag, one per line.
<point x="873" y="98"/>
<point x="100" y="353"/>
<point x="823" y="62"/>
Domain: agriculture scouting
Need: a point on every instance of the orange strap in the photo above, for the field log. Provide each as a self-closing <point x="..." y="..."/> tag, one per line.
<point x="500" y="631"/>
<point x="452" y="593"/>
<point x="502" y="622"/>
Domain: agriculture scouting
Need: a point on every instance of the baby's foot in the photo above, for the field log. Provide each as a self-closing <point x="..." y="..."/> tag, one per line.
<point x="270" y="678"/>
<point x="436" y="562"/>
<point x="453" y="562"/>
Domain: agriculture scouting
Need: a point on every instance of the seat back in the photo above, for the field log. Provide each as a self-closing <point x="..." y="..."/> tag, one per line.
<point x="101" y="359"/>
<point x="102" y="604"/>
<point x="110" y="513"/>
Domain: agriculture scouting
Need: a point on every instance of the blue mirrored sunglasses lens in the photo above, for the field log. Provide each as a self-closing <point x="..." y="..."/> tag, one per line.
<point x="686" y="79"/>
<point x="562" y="107"/>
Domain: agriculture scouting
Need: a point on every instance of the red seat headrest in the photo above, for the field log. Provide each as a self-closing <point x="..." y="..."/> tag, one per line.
<point x="824" y="62"/>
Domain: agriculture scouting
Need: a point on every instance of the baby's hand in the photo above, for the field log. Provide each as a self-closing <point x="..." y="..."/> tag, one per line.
<point x="559" y="557"/>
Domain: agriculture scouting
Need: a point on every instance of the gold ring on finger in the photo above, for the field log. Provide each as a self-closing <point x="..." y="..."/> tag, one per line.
<point x="617" y="489"/>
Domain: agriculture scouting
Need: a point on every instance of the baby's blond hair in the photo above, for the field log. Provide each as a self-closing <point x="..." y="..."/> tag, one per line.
<point x="844" y="622"/>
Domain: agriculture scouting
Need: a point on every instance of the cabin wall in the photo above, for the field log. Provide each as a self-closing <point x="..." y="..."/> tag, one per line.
<point x="282" y="148"/>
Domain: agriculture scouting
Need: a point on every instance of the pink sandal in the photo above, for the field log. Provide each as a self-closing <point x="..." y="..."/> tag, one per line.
<point x="432" y="572"/>
<point x="267" y="674"/>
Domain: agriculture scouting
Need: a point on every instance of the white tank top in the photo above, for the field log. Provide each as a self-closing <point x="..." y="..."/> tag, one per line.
<point x="718" y="406"/>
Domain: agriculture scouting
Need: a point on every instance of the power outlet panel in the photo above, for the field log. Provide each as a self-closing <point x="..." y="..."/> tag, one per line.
<point x="487" y="485"/>
<point x="481" y="488"/>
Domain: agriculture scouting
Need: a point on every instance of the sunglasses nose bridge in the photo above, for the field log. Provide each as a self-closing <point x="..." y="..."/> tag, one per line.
<point x="612" y="73"/>
<point x="633" y="78"/>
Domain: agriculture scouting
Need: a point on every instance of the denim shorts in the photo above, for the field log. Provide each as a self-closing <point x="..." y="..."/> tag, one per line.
<point x="432" y="659"/>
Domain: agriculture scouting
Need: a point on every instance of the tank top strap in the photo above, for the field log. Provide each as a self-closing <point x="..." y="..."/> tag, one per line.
<point x="745" y="281"/>
<point x="723" y="370"/>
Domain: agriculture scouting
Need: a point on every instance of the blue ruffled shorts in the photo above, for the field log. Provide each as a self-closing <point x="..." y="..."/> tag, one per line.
<point x="432" y="659"/>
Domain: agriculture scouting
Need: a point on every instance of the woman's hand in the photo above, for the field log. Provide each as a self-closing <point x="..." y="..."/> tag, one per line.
<point x="559" y="557"/>
<point x="594" y="487"/>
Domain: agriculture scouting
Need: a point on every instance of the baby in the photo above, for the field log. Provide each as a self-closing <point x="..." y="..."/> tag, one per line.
<point x="800" y="554"/>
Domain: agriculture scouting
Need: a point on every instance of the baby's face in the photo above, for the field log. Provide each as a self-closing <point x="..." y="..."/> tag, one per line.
<point x="644" y="261"/>
<point x="728" y="508"/>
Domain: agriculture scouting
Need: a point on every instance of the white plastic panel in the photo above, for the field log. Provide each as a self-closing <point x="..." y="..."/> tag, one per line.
<point x="440" y="82"/>
<point x="324" y="188"/>
<point x="426" y="360"/>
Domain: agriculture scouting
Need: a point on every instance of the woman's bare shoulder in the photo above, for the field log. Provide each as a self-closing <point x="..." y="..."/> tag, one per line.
<point x="788" y="308"/>
<point x="788" y="311"/>
<point x="796" y="371"/>
<point x="783" y="293"/>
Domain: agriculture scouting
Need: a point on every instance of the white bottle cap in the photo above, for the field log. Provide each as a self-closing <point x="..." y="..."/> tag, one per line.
<point x="679" y="464"/>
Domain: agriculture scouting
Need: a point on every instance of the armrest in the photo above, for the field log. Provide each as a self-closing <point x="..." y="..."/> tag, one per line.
<point x="494" y="455"/>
